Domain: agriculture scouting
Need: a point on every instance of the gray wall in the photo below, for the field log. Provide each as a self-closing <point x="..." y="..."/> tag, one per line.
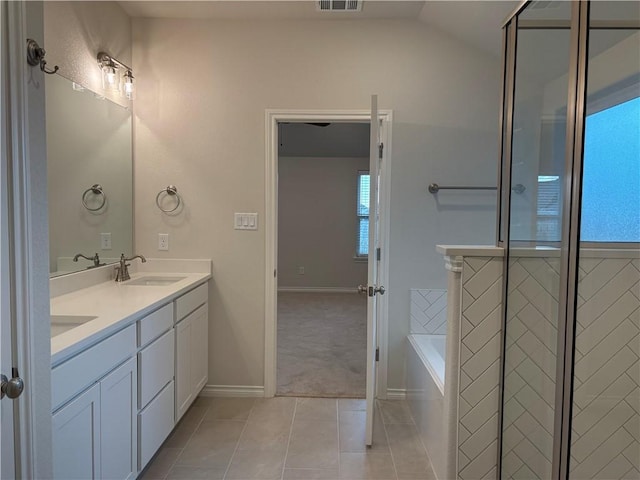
<point x="200" y="125"/>
<point x="317" y="222"/>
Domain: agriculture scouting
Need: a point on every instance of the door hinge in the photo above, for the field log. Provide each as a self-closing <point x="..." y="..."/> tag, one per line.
<point x="378" y="253"/>
<point x="275" y="273"/>
<point x="377" y="354"/>
<point x="380" y="150"/>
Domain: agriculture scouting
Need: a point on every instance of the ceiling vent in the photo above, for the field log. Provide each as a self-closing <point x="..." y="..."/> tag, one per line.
<point x="339" y="5"/>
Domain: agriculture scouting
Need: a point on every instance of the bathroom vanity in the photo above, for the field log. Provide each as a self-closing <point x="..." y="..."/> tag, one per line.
<point x="128" y="359"/>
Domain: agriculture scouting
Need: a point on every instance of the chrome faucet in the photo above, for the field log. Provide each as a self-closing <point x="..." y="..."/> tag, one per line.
<point x="122" y="271"/>
<point x="95" y="259"/>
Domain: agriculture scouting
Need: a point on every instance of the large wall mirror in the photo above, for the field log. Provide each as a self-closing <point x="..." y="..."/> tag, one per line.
<point x="90" y="177"/>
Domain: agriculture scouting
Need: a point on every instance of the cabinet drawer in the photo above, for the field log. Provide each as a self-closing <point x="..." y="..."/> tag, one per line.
<point x="191" y="300"/>
<point x="154" y="425"/>
<point x="155" y="367"/>
<point x="71" y="377"/>
<point x="155" y="324"/>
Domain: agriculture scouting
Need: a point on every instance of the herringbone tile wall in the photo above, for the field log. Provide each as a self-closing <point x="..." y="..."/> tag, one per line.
<point x="530" y="367"/>
<point x="479" y="368"/>
<point x="606" y="422"/>
<point x="428" y="311"/>
<point x="606" y="402"/>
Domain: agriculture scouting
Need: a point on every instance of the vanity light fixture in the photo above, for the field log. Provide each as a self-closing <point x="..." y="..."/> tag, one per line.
<point x="110" y="75"/>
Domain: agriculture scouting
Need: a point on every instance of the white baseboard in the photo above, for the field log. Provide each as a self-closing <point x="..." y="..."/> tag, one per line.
<point x="317" y="290"/>
<point x="232" y="391"/>
<point x="396" y="394"/>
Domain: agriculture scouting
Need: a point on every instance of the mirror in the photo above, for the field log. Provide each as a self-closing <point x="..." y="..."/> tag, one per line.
<point x="90" y="176"/>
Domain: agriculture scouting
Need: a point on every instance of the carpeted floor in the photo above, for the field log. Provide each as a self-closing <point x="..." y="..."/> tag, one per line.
<point x="322" y="344"/>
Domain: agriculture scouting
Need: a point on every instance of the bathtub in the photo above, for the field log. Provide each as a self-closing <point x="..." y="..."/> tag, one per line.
<point x="431" y="404"/>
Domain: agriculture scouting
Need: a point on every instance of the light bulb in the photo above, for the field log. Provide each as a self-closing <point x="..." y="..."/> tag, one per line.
<point x="128" y="86"/>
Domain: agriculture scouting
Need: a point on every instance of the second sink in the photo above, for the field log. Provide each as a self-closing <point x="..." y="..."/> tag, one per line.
<point x="64" y="323"/>
<point x="154" y="281"/>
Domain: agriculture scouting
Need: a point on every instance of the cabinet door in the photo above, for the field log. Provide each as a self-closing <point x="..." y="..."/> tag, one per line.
<point x="192" y="358"/>
<point x="184" y="392"/>
<point x="76" y="437"/>
<point x="118" y="403"/>
<point x="200" y="349"/>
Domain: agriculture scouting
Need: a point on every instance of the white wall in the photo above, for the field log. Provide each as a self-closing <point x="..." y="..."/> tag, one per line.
<point x="317" y="222"/>
<point x="203" y="87"/>
<point x="74" y="34"/>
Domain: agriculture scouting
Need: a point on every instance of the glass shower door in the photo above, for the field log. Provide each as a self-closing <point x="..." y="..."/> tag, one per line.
<point x="541" y="34"/>
<point x="605" y="433"/>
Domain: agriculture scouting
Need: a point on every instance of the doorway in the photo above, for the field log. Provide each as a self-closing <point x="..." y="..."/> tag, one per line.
<point x="274" y="119"/>
<point x="323" y="217"/>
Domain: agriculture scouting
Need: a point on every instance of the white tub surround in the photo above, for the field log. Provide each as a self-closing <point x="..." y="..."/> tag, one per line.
<point x="426" y="397"/>
<point x="428" y="310"/>
<point x="469" y="413"/>
<point x="116" y="305"/>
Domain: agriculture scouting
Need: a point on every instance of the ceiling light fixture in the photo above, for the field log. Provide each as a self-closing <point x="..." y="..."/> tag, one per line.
<point x="111" y="79"/>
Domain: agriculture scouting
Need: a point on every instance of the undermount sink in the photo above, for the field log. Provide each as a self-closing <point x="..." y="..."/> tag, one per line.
<point x="64" y="323"/>
<point x="154" y="281"/>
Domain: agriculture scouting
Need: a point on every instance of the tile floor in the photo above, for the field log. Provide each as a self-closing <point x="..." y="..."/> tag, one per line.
<point x="291" y="438"/>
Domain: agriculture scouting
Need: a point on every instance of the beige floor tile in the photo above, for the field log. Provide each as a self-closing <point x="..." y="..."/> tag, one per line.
<point x="408" y="452"/>
<point x="352" y="426"/>
<point x="269" y="409"/>
<point x="237" y="409"/>
<point x="404" y="438"/>
<point x="352" y="404"/>
<point x="310" y="474"/>
<point x="159" y="466"/>
<point x="185" y="428"/>
<point x="428" y="475"/>
<point x="256" y="465"/>
<point x="313" y="445"/>
<point x="395" y="411"/>
<point x="366" y="466"/>
<point x="187" y="472"/>
<point x="317" y="409"/>
<point x="266" y="435"/>
<point x="201" y="401"/>
<point x="212" y="444"/>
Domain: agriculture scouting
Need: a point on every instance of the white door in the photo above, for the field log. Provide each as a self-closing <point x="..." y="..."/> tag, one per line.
<point x="373" y="288"/>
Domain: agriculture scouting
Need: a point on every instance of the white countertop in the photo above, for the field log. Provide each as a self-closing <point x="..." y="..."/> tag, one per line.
<point x="115" y="305"/>
<point x="470" y="250"/>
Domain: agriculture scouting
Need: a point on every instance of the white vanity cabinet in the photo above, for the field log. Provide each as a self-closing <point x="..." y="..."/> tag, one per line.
<point x="115" y="402"/>
<point x="192" y="347"/>
<point x="94" y="434"/>
<point x="156" y="366"/>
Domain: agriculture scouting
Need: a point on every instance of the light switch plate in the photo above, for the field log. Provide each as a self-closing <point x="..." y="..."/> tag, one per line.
<point x="105" y="241"/>
<point x="245" y="221"/>
<point x="163" y="241"/>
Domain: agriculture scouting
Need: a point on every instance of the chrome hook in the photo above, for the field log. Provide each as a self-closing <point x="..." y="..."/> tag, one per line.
<point x="35" y="56"/>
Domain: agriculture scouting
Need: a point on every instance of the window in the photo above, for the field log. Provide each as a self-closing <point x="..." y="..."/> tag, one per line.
<point x="610" y="182"/>
<point x="362" y="211"/>
<point x="611" y="177"/>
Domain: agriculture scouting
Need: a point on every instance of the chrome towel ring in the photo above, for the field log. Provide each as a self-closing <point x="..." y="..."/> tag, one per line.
<point x="172" y="191"/>
<point x="96" y="190"/>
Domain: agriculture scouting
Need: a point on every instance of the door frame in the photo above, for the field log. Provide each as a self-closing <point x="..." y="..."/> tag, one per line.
<point x="272" y="118"/>
<point x="26" y="265"/>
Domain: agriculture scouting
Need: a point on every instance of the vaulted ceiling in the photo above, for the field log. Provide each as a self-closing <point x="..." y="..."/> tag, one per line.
<point x="476" y="22"/>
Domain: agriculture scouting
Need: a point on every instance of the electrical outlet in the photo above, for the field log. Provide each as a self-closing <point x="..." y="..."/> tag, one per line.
<point x="163" y="241"/>
<point x="105" y="241"/>
<point x="300" y="270"/>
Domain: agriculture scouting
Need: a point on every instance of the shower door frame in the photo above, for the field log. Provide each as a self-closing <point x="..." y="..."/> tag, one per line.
<point x="570" y="239"/>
